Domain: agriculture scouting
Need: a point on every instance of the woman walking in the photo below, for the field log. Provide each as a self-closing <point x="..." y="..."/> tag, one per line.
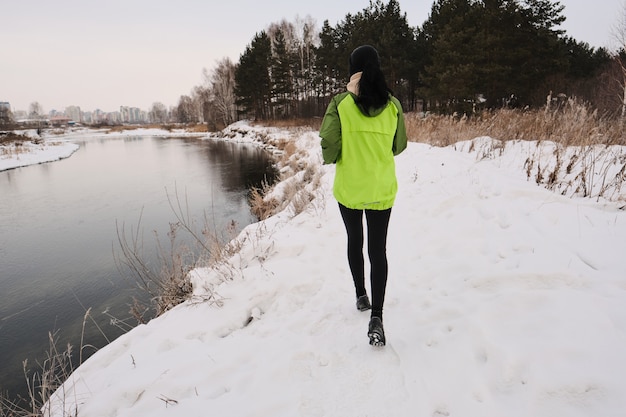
<point x="363" y="129"/>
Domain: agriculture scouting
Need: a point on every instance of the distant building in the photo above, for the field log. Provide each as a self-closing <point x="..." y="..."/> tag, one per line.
<point x="114" y="117"/>
<point x="132" y="115"/>
<point x="74" y="113"/>
<point x="87" y="117"/>
<point x="60" y="121"/>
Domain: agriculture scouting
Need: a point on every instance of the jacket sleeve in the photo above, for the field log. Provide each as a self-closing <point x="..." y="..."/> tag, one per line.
<point x="330" y="132"/>
<point x="400" y="138"/>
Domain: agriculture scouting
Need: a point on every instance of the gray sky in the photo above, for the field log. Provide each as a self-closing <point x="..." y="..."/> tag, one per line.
<point x="136" y="52"/>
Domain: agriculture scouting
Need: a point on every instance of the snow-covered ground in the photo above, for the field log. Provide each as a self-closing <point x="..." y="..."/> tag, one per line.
<point x="29" y="153"/>
<point x="504" y="299"/>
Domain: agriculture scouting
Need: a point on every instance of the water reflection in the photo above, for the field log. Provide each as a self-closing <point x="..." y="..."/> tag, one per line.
<point x="58" y="230"/>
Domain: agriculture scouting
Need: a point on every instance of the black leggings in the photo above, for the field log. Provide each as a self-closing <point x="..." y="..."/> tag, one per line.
<point x="377" y="225"/>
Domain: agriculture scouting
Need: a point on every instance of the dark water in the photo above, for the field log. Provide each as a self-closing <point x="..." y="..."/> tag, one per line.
<point x="59" y="223"/>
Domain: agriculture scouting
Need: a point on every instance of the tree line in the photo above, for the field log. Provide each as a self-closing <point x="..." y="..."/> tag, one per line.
<point x="468" y="55"/>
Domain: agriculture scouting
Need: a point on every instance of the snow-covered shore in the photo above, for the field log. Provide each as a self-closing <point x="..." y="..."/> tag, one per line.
<point x="30" y="153"/>
<point x="54" y="147"/>
<point x="504" y="299"/>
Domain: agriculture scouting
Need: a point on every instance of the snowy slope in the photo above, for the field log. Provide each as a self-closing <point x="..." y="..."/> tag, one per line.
<point x="504" y="299"/>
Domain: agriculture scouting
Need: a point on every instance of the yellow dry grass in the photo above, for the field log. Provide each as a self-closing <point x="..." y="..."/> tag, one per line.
<point x="574" y="124"/>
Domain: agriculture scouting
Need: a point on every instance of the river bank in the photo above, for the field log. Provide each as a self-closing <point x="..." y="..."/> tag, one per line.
<point x="58" y="231"/>
<point x="29" y="153"/>
<point x="49" y="146"/>
<point x="504" y="298"/>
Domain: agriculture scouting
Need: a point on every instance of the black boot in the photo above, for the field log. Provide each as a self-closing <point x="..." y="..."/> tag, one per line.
<point x="375" y="332"/>
<point x="363" y="303"/>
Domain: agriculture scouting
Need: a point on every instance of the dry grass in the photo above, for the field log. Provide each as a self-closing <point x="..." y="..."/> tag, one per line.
<point x="313" y="122"/>
<point x="573" y="124"/>
<point x="13" y="149"/>
<point x="12" y="144"/>
<point x="572" y="150"/>
<point x="192" y="128"/>
<point x="170" y="284"/>
<point x="197" y="128"/>
<point x="46" y="380"/>
<point x="9" y="138"/>
<point x="299" y="179"/>
<point x="123" y="128"/>
<point x="261" y="204"/>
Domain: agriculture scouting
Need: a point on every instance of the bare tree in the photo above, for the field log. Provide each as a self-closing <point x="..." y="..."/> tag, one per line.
<point x="6" y="116"/>
<point x="307" y="40"/>
<point x="222" y="90"/>
<point x="199" y="100"/>
<point x="35" y="110"/>
<point x="620" y="56"/>
<point x="300" y="39"/>
<point x="158" y="113"/>
<point x="185" y="110"/>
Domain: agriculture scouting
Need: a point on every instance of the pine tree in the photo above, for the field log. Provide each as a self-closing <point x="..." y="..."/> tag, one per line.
<point x="331" y="63"/>
<point x="451" y="42"/>
<point x="468" y="53"/>
<point x="281" y="76"/>
<point x="540" y="52"/>
<point x="496" y="46"/>
<point x="252" y="78"/>
<point x="496" y="49"/>
<point x="382" y="26"/>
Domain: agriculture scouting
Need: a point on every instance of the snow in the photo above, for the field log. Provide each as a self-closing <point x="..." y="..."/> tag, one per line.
<point x="504" y="299"/>
<point x="29" y="153"/>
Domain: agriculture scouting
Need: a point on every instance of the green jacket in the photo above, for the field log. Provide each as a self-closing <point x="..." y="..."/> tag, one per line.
<point x="363" y="147"/>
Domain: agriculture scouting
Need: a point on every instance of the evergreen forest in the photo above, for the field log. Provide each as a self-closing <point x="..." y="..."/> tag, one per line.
<point x="467" y="56"/>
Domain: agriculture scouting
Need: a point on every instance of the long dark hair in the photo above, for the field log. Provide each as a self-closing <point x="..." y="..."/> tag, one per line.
<point x="373" y="90"/>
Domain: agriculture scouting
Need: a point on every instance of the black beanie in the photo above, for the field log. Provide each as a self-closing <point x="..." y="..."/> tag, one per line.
<point x="362" y="57"/>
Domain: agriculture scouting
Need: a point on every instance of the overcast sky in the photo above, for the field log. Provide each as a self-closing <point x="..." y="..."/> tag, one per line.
<point x="101" y="55"/>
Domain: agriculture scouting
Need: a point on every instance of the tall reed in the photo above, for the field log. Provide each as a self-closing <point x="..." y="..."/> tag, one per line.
<point x="571" y="124"/>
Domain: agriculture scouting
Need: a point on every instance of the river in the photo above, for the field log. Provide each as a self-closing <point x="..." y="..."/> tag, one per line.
<point x="59" y="226"/>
